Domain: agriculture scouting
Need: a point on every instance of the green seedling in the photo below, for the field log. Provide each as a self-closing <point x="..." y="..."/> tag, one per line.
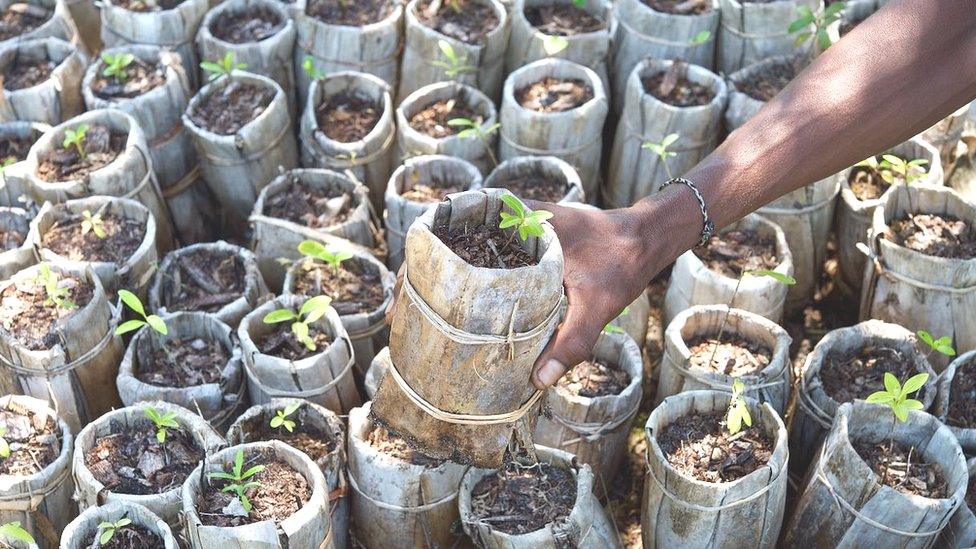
<point x="527" y="222"/>
<point x="942" y="345"/>
<point x="162" y="420"/>
<point x="910" y="170"/>
<point x="221" y="67"/>
<point x="452" y="64"/>
<point x="738" y="412"/>
<point x="57" y="294"/>
<point x="308" y="65"/>
<point x="108" y="529"/>
<point x="316" y="250"/>
<point x="476" y="129"/>
<point x="579" y="3"/>
<point x="116" y="65"/>
<point x="239" y="484"/>
<point x="662" y="151"/>
<point x="612" y="328"/>
<point x="895" y="395"/>
<point x="4" y="445"/>
<point x="153" y="321"/>
<point x="820" y="21"/>
<point x="281" y="417"/>
<point x="310" y="311"/>
<point x="75" y="137"/>
<point x="15" y="532"/>
<point x="92" y="223"/>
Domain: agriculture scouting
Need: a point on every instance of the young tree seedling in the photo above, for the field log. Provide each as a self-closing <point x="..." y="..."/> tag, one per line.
<point x="316" y="250"/>
<point x="153" y="321"/>
<point x="57" y="294"/>
<point x="116" y="65"/>
<point x="308" y="65"/>
<point x="221" y="67"/>
<point x="738" y="412"/>
<point x="239" y="479"/>
<point x="4" y="445"/>
<point x="162" y="420"/>
<point x="311" y="310"/>
<point x="75" y="137"/>
<point x="527" y="222"/>
<point x="892" y="165"/>
<point x="895" y="396"/>
<point x="942" y="345"/>
<point x="820" y="21"/>
<point x="662" y="152"/>
<point x="476" y="129"/>
<point x="14" y="531"/>
<point x="281" y="417"/>
<point x="452" y="64"/>
<point x="107" y="529"/>
<point x="92" y="223"/>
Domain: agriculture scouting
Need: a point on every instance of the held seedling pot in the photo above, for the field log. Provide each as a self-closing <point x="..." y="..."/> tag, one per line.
<point x="323" y="378"/>
<point x="463" y="351"/>
<point x="310" y="526"/>
<point x="134" y="272"/>
<point x="961" y="366"/>
<point x="915" y="290"/>
<point x="15" y="221"/>
<point x="90" y="492"/>
<point x="434" y="171"/>
<point x="636" y="172"/>
<point x="158" y="112"/>
<point x="680" y="511"/>
<point x="178" y="275"/>
<point x="129" y="176"/>
<point x="83" y="531"/>
<point x="411" y="142"/>
<point x="370" y="159"/>
<point x="574" y="135"/>
<point x="693" y="283"/>
<point x="53" y="100"/>
<point x="844" y="498"/>
<point x="238" y="166"/>
<point x="14" y="188"/>
<point x="218" y="402"/>
<point x="520" y="170"/>
<point x="277" y="238"/>
<point x="816" y="409"/>
<point x="60" y="23"/>
<point x="772" y="384"/>
<point x="486" y="58"/>
<point x="372" y="49"/>
<point x="586" y="526"/>
<point x="961" y="531"/>
<point x="595" y="429"/>
<point x="751" y="31"/>
<point x="397" y="503"/>
<point x="77" y="371"/>
<point x="323" y="427"/>
<point x="40" y="502"/>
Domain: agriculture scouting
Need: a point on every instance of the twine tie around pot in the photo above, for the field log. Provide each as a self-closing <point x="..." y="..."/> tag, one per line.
<point x="551" y="152"/>
<point x="421" y="509"/>
<point x="722" y="386"/>
<point x="307" y="393"/>
<point x="16" y="502"/>
<point x="129" y="40"/>
<point x="654" y="39"/>
<point x="843" y="504"/>
<point x="815" y="412"/>
<point x="591" y="432"/>
<point x="346" y="162"/>
<point x="189" y="179"/>
<point x="305" y="46"/>
<point x="256" y="155"/>
<point x="743" y="34"/>
<point x="881" y="270"/>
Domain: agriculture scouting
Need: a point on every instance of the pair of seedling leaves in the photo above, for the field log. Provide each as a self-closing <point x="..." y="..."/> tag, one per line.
<point x="820" y="21"/>
<point x="895" y="395"/>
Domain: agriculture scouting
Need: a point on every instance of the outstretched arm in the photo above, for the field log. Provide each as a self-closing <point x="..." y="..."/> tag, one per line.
<point x="896" y="74"/>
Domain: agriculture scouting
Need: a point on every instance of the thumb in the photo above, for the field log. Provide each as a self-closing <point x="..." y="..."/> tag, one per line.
<point x="572" y="343"/>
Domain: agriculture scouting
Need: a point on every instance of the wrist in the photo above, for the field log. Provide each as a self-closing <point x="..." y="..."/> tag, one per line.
<point x="667" y="224"/>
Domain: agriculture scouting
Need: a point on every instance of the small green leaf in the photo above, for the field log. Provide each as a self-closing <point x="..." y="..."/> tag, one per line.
<point x="315" y="308"/>
<point x="554" y="44"/>
<point x="311" y="248"/>
<point x="279" y="315"/>
<point x="891" y="384"/>
<point x="13" y="530"/>
<point x="132" y="301"/>
<point x="106" y="536"/>
<point x="701" y="38"/>
<point x="514" y="204"/>
<point x="157" y="323"/>
<point x="778" y="277"/>
<point x="880" y="397"/>
<point x="129" y="326"/>
<point x="913" y="384"/>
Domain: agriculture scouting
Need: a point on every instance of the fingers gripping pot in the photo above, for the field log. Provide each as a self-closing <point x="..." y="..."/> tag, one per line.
<point x="464" y="339"/>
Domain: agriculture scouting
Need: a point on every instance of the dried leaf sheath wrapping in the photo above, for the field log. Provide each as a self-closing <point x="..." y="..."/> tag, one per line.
<point x="81" y="531"/>
<point x="477" y="379"/>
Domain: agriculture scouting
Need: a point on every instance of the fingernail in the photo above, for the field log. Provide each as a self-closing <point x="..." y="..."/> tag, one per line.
<point x="548" y="374"/>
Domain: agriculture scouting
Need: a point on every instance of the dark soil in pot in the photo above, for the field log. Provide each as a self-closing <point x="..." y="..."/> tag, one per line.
<point x="281" y="493"/>
<point x="131" y="460"/>
<point x="868" y="182"/>
<point x="771" y="80"/>
<point x="123" y="237"/>
<point x="309" y="439"/>
<point x="31" y="450"/>
<point x="535" y="188"/>
<point x="554" y="95"/>
<point x="699" y="446"/>
<point x="147" y="5"/>
<point x="732" y="252"/>
<point x="528" y="498"/>
<point x="353" y="289"/>
<point x="351" y="14"/>
<point x="131" y="536"/>
<point x="903" y="468"/>
<point x="679" y="7"/>
<point x="850" y="376"/>
<point x="390" y="444"/>
<point x="101" y="147"/>
<point x="253" y="25"/>
<point x="734" y="356"/>
<point x="935" y="235"/>
<point x="430" y="192"/>
<point x="184" y="362"/>
<point x="231" y="107"/>
<point x="25" y="75"/>
<point x="282" y="343"/>
<point x="962" y="397"/>
<point x="208" y="281"/>
<point x="140" y="77"/>
<point x="486" y="247"/>
<point x="593" y="378"/>
<point x="468" y="22"/>
<point x="14" y="149"/>
<point x="30" y="318"/>
<point x="20" y="18"/>
<point x="347" y="117"/>
<point x="562" y="20"/>
<point x="432" y="119"/>
<point x="10" y="239"/>
<point x="676" y="90"/>
<point x="314" y="207"/>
